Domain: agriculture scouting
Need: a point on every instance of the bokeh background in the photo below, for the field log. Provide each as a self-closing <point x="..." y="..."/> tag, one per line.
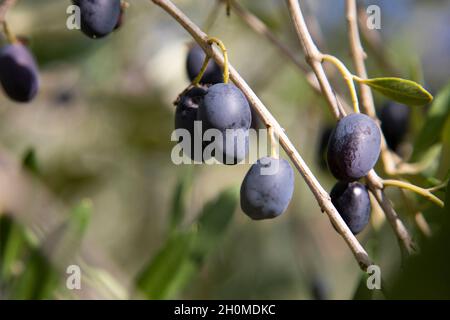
<point x="96" y="144"/>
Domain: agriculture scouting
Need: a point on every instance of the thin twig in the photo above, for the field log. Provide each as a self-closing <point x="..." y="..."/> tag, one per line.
<point x="314" y="58"/>
<point x="212" y="16"/>
<point x="261" y="28"/>
<point x="4" y="7"/>
<point x="374" y="42"/>
<point x="411" y="187"/>
<point x="322" y="197"/>
<point x="348" y="77"/>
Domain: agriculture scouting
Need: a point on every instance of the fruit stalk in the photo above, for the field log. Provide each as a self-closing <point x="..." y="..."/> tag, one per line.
<point x="348" y="77"/>
<point x="408" y="186"/>
<point x="314" y="58"/>
<point x="226" y="72"/>
<point x="318" y="191"/>
<point x="199" y="77"/>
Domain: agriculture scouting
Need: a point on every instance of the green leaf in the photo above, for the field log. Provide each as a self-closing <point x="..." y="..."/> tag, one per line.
<point x="66" y="239"/>
<point x="183" y="254"/>
<point x="169" y="269"/>
<point x="425" y="276"/>
<point x="38" y="280"/>
<point x="29" y="161"/>
<point x="12" y="245"/>
<point x="444" y="166"/>
<point x="447" y="203"/>
<point x="25" y="271"/>
<point x="362" y="292"/>
<point x="213" y="222"/>
<point x="401" y="90"/>
<point x="80" y="217"/>
<point x="178" y="209"/>
<point x="434" y="123"/>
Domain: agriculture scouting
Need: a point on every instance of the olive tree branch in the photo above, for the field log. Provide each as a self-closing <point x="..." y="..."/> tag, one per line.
<point x="314" y="58"/>
<point x="322" y="197"/>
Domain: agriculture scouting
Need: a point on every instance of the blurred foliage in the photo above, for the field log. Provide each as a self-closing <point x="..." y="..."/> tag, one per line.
<point x="432" y="131"/>
<point x="425" y="276"/>
<point x="25" y="272"/>
<point x="185" y="250"/>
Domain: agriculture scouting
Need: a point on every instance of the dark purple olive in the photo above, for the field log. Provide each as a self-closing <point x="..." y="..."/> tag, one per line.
<point x="98" y="17"/>
<point x="19" y="74"/>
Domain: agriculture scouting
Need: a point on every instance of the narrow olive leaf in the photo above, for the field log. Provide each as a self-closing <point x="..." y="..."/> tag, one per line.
<point x="361" y="291"/>
<point x="431" y="279"/>
<point x="213" y="222"/>
<point x="80" y="217"/>
<point x="12" y="246"/>
<point x="170" y="269"/>
<point x="66" y="239"/>
<point x="403" y="91"/>
<point x="444" y="162"/>
<point x="434" y="123"/>
<point x="38" y="280"/>
<point x="29" y="161"/>
<point x="183" y="254"/>
<point x="178" y="209"/>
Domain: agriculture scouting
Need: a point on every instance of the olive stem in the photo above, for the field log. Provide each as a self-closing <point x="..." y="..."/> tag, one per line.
<point x="218" y="42"/>
<point x="348" y="77"/>
<point x="199" y="77"/>
<point x="408" y="186"/>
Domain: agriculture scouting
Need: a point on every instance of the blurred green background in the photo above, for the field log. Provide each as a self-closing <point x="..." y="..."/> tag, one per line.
<point x="86" y="176"/>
